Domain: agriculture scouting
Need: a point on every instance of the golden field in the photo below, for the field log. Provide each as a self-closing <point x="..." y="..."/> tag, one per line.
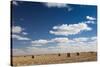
<point x="53" y="58"/>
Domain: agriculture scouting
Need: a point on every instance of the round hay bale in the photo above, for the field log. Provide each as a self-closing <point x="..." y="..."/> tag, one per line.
<point x="68" y="54"/>
<point x="33" y="56"/>
<point x="77" y="54"/>
<point x="59" y="54"/>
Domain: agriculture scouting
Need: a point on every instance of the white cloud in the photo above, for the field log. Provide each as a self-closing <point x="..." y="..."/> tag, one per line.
<point x="69" y="8"/>
<point x="58" y="5"/>
<point x="70" y="29"/>
<point x="81" y="44"/>
<point x="24" y="33"/>
<point x="41" y="41"/>
<point x="17" y="32"/>
<point x="85" y="39"/>
<point x="18" y="37"/>
<point x="15" y="3"/>
<point x="90" y="22"/>
<point x="81" y="39"/>
<point x="78" y="47"/>
<point x="60" y="40"/>
<point x="71" y="45"/>
<point x="17" y="29"/>
<point x="94" y="38"/>
<point x="90" y="18"/>
<point x="37" y="45"/>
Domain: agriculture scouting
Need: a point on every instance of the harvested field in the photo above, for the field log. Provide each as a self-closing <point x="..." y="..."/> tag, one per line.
<point x="53" y="58"/>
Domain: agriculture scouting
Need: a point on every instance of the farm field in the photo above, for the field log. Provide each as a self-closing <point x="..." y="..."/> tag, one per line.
<point x="53" y="58"/>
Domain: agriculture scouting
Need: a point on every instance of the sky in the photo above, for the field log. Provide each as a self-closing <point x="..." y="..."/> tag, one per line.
<point x="45" y="28"/>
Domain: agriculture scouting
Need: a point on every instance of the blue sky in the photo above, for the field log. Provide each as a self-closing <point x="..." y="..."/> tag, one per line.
<point x="49" y="26"/>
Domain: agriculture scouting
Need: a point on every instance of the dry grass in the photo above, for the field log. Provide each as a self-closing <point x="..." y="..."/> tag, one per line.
<point x="54" y="58"/>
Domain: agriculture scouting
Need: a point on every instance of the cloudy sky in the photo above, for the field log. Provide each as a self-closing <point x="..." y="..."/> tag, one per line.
<point x="41" y="28"/>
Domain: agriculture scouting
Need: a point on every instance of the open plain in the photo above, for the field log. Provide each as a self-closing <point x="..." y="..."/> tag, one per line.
<point x="53" y="58"/>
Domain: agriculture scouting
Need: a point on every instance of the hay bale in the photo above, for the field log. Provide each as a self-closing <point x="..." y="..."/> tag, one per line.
<point x="77" y="54"/>
<point x="91" y="52"/>
<point x="59" y="54"/>
<point x="68" y="54"/>
<point x="33" y="56"/>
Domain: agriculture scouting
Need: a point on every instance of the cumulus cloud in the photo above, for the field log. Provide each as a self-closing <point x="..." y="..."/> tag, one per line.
<point x="65" y="41"/>
<point x="84" y="44"/>
<point x="78" y="46"/>
<point x="70" y="29"/>
<point x="90" y="18"/>
<point x="81" y="39"/>
<point x="18" y="37"/>
<point x="60" y="40"/>
<point x="41" y="41"/>
<point x="24" y="33"/>
<point x="81" y="44"/>
<point x="90" y="22"/>
<point x="44" y="41"/>
<point x="17" y="29"/>
<point x="18" y="33"/>
<point x="94" y="38"/>
<point x="58" y="5"/>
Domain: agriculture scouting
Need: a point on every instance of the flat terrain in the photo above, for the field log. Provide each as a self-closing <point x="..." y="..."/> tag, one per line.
<point x="53" y="58"/>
